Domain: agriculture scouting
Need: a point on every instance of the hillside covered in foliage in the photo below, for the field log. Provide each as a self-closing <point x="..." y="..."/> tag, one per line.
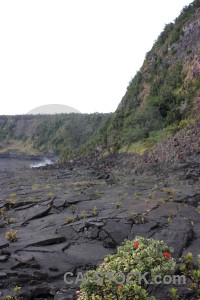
<point x="164" y="94"/>
<point x="59" y="134"/>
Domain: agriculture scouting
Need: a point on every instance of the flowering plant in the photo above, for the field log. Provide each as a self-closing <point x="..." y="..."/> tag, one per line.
<point x="133" y="257"/>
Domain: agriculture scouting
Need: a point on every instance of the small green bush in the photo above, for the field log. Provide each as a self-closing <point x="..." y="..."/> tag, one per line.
<point x="118" y="204"/>
<point x="84" y="214"/>
<point x="73" y="208"/>
<point x="192" y="272"/>
<point x="70" y="220"/>
<point x="95" y="211"/>
<point x="11" y="235"/>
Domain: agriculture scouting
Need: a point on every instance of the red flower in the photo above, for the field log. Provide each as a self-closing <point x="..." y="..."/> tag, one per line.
<point x="167" y="255"/>
<point x="136" y="244"/>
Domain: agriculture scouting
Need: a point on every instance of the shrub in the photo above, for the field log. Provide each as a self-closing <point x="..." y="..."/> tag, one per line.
<point x="12" y="195"/>
<point x="118" y="204"/>
<point x="84" y="214"/>
<point x="12" y="201"/>
<point x="69" y="220"/>
<point x="17" y="288"/>
<point x="95" y="211"/>
<point x="139" y="256"/>
<point x="73" y="208"/>
<point x="169" y="219"/>
<point x="9" y="297"/>
<point x="192" y="271"/>
<point x="11" y="220"/>
<point x="174" y="294"/>
<point x="11" y="235"/>
<point x="50" y="196"/>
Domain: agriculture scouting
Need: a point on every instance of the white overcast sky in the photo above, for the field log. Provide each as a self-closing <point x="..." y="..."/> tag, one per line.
<point x="81" y="53"/>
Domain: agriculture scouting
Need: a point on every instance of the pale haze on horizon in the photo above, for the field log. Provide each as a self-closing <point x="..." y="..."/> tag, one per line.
<point x="73" y="52"/>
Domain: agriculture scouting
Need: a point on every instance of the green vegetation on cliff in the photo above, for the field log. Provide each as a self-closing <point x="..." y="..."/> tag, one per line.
<point x="165" y="89"/>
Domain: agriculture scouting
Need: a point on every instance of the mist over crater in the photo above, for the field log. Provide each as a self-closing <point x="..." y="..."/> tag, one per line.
<point x="51" y="109"/>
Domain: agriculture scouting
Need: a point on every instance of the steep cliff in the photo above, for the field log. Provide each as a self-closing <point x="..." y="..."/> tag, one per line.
<point x="166" y="89"/>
